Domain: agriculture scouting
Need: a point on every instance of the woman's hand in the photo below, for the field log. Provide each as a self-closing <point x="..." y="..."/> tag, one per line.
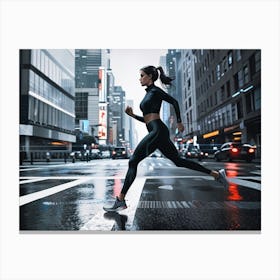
<point x="129" y="111"/>
<point x="180" y="127"/>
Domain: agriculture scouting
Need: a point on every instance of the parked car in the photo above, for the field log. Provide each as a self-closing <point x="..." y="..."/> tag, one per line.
<point x="95" y="154"/>
<point x="235" y="151"/>
<point x="195" y="152"/>
<point x="119" y="152"/>
<point x="76" y="155"/>
<point x="105" y="154"/>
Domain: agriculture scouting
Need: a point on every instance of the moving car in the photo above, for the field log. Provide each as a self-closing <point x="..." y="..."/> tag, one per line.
<point x="235" y="151"/>
<point x="195" y="152"/>
<point x="119" y="152"/>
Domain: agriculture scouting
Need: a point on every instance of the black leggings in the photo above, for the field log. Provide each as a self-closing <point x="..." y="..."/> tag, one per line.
<point x="158" y="138"/>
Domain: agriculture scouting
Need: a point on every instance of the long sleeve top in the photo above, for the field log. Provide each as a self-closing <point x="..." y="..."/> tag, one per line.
<point x="152" y="101"/>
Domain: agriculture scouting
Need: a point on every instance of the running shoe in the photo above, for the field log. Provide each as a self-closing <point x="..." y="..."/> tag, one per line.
<point x="118" y="206"/>
<point x="223" y="178"/>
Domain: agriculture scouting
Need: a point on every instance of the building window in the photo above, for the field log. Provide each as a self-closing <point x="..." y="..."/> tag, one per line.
<point x="230" y="59"/>
<point x="218" y="71"/>
<point x="222" y="92"/>
<point x="224" y="65"/>
<point x="235" y="78"/>
<point x="228" y="88"/>
<point x="233" y="112"/>
<point x="189" y="84"/>
<point x="257" y="98"/>
<point x="246" y="74"/>
<point x="240" y="78"/>
<point x="215" y="98"/>
<point x="239" y="110"/>
<point x="212" y="77"/>
<point x="249" y="108"/>
<point x="238" y="55"/>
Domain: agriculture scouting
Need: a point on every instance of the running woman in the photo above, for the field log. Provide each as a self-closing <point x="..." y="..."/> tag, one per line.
<point x="158" y="136"/>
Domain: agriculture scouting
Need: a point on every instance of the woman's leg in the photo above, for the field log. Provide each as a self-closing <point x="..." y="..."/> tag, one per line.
<point x="170" y="151"/>
<point x="147" y="146"/>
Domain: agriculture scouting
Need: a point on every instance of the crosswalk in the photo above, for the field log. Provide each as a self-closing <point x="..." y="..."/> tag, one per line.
<point x="98" y="171"/>
<point x="198" y="204"/>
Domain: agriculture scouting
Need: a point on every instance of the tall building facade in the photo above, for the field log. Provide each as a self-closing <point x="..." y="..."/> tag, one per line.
<point x="130" y="133"/>
<point x="188" y="92"/>
<point x="47" y="102"/>
<point x="228" y="89"/>
<point x="117" y="107"/>
<point x="165" y="112"/>
<point x="91" y="93"/>
<point x="174" y="70"/>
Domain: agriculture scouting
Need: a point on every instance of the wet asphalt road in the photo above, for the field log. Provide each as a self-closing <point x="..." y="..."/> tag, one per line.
<point x="70" y="197"/>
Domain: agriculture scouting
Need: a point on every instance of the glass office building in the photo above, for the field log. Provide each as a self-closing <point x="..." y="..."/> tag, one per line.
<point x="47" y="102"/>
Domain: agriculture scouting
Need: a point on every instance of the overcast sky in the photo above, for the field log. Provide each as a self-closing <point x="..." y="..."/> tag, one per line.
<point x="125" y="65"/>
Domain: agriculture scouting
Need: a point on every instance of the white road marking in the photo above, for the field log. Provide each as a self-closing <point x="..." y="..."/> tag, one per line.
<point x="257" y="172"/>
<point x="244" y="183"/>
<point x="166" y="187"/>
<point x="31" y="180"/>
<point x="114" y="177"/>
<point x="199" y="204"/>
<point x="47" y="192"/>
<point x="99" y="222"/>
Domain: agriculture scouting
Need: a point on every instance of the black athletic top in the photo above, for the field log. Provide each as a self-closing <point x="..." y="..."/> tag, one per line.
<point x="151" y="103"/>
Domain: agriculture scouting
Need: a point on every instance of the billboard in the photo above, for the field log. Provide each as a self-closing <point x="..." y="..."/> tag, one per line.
<point x="102" y="128"/>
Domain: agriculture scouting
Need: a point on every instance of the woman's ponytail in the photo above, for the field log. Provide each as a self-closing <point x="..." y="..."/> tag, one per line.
<point x="153" y="71"/>
<point x="164" y="79"/>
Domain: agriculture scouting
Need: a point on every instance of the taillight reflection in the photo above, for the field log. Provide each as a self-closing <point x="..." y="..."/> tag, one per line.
<point x="234" y="193"/>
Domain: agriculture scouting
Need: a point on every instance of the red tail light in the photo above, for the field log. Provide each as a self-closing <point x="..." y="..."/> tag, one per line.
<point x="234" y="150"/>
<point x="251" y="150"/>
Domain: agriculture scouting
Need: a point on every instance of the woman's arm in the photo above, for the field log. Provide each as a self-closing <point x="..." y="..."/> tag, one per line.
<point x="166" y="97"/>
<point x="129" y="111"/>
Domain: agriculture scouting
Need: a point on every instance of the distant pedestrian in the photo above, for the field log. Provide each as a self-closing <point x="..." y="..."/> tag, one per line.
<point x="158" y="136"/>
<point x="65" y="158"/>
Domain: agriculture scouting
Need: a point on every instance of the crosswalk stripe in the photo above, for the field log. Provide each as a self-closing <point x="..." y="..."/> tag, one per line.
<point x="47" y="192"/>
<point x="99" y="222"/>
<point x="243" y="182"/>
<point x="32" y="180"/>
<point x="198" y="204"/>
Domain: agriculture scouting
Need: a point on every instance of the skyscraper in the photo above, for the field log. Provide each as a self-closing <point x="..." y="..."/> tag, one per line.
<point x="46" y="102"/>
<point x="91" y="89"/>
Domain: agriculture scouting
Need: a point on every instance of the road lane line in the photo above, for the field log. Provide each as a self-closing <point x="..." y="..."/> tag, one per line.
<point x="44" y="193"/>
<point x="99" y="221"/>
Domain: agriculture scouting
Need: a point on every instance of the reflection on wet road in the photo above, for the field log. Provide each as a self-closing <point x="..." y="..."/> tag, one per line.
<point x="163" y="197"/>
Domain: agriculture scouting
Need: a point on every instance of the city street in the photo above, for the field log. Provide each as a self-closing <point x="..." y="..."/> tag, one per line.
<point x="71" y="196"/>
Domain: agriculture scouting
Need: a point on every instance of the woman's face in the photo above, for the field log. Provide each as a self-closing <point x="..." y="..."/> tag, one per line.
<point x="145" y="79"/>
